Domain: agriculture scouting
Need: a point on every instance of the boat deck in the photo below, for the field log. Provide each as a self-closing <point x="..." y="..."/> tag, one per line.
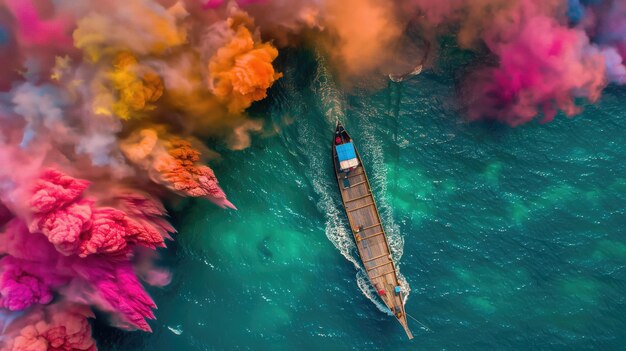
<point x="370" y="237"/>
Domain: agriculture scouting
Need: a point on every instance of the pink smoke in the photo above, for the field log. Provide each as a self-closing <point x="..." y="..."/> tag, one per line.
<point x="38" y="33"/>
<point x="543" y="66"/>
<point x="35" y="31"/>
<point x="110" y="285"/>
<point x="75" y="225"/>
<point x="26" y="279"/>
<point x="80" y="244"/>
<point x="59" y="327"/>
<point x="24" y="283"/>
<point x="114" y="288"/>
<point x="5" y="214"/>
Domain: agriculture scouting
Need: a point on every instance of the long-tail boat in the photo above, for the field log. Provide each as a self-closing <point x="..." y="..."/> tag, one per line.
<point x="367" y="228"/>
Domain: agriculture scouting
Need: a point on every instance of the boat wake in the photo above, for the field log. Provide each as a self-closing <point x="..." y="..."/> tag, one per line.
<point x="366" y="288"/>
<point x="336" y="223"/>
<point x="373" y="149"/>
<point x="332" y="102"/>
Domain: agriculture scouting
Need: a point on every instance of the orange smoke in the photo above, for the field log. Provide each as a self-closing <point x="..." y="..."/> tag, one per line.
<point x="174" y="163"/>
<point x="363" y="32"/>
<point x="183" y="171"/>
<point x="241" y="71"/>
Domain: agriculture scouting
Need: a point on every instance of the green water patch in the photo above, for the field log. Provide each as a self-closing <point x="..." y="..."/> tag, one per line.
<point x="411" y="192"/>
<point x="493" y="172"/>
<point x="489" y="288"/>
<point x="583" y="290"/>
<point x="609" y="249"/>
<point x="481" y="304"/>
<point x="268" y="235"/>
<point x="547" y="201"/>
<point x="567" y="198"/>
<point x="263" y="246"/>
<point x="266" y="318"/>
<point x="575" y="303"/>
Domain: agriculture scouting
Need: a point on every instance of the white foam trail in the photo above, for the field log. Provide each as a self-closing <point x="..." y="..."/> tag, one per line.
<point x="336" y="223"/>
<point x="404" y="286"/>
<point x="363" y="282"/>
<point x="332" y="103"/>
<point x="372" y="147"/>
<point x="317" y="167"/>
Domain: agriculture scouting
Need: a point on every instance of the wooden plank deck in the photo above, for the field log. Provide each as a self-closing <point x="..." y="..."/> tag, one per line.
<point x="370" y="237"/>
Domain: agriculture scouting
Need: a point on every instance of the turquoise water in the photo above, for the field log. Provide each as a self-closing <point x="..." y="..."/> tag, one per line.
<point x="508" y="238"/>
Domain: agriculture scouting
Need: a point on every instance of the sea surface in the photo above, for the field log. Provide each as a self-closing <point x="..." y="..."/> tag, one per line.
<point x="507" y="238"/>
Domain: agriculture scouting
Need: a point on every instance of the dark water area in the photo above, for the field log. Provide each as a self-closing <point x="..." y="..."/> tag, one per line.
<point x="508" y="238"/>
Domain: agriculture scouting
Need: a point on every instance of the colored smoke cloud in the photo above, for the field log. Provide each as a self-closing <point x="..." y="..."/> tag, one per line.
<point x="547" y="73"/>
<point x="545" y="59"/>
<point x="75" y="225"/>
<point x="81" y="153"/>
<point x="362" y="33"/>
<point x="56" y="327"/>
<point x="173" y="163"/>
<point x="137" y="91"/>
<point x="241" y="71"/>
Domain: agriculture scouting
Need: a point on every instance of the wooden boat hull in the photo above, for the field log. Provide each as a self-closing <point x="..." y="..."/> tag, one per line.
<point x="369" y="234"/>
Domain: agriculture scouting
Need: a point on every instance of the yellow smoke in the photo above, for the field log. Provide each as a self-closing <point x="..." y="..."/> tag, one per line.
<point x="127" y="89"/>
<point x="136" y="92"/>
<point x="198" y="89"/>
<point x="136" y="25"/>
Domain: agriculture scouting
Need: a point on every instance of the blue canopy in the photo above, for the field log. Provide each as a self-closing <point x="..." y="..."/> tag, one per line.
<point x="346" y="152"/>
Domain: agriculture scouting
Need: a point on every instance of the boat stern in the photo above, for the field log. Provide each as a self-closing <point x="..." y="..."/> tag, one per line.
<point x="405" y="325"/>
